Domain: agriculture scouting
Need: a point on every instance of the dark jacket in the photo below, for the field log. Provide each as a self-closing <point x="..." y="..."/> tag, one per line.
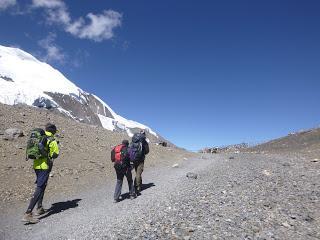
<point x="137" y="137"/>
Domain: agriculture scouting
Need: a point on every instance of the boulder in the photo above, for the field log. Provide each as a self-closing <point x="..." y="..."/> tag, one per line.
<point x="12" y="133"/>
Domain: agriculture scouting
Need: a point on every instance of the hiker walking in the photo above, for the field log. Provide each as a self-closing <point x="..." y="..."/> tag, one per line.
<point x="43" y="149"/>
<point x="138" y="149"/>
<point x="121" y="160"/>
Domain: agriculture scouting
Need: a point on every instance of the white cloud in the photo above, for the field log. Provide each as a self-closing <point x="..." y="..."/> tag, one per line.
<point x="53" y="53"/>
<point x="4" y="4"/>
<point x="48" y="3"/>
<point x="99" y="27"/>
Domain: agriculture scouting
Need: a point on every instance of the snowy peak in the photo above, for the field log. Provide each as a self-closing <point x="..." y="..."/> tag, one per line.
<point x="26" y="80"/>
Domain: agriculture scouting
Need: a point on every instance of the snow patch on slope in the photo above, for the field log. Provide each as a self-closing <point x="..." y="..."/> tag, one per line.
<point x="30" y="80"/>
<point x="127" y="123"/>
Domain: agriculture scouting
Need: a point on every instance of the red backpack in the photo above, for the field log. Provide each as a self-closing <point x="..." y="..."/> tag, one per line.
<point x="119" y="154"/>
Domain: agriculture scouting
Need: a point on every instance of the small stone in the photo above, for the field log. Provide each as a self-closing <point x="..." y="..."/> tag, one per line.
<point x="51" y="175"/>
<point x="286" y="164"/>
<point x="231" y="157"/>
<point x="266" y="172"/>
<point x="285" y="224"/>
<point x="192" y="175"/>
<point x="175" y="165"/>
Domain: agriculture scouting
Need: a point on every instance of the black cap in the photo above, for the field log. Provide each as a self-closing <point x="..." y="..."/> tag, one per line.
<point x="51" y="128"/>
<point x="125" y="142"/>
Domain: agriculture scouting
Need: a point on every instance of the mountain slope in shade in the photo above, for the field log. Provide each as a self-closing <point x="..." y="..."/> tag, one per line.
<point x="26" y="80"/>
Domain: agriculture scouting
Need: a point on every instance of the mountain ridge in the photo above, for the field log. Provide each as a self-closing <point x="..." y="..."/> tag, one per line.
<point x="26" y="80"/>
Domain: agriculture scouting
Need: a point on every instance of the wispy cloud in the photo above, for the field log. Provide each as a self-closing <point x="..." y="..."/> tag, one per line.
<point x="53" y="53"/>
<point x="96" y="27"/>
<point x="4" y="4"/>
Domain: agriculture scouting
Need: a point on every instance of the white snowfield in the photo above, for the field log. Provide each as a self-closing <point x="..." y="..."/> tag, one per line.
<point x="23" y="79"/>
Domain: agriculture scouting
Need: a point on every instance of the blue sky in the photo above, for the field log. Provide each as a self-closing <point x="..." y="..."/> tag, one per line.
<point x="201" y="73"/>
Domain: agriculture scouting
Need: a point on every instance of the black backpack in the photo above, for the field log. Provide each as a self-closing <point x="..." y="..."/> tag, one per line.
<point x="136" y="148"/>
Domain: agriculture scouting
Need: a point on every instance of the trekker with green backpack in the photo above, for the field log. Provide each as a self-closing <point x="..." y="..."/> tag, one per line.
<point x="42" y="148"/>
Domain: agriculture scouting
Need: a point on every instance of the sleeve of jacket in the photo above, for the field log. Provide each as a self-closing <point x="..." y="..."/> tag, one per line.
<point x="127" y="156"/>
<point x="54" y="149"/>
<point x="146" y="147"/>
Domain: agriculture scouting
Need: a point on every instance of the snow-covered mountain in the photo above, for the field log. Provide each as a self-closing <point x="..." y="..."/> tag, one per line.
<point x="26" y="80"/>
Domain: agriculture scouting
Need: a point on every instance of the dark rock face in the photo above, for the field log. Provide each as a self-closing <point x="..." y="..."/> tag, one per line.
<point x="82" y="107"/>
<point x="163" y="144"/>
<point x="8" y="79"/>
<point x="44" y="103"/>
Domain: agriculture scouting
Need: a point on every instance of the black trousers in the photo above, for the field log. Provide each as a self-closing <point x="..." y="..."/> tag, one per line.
<point x="120" y="175"/>
<point x="42" y="180"/>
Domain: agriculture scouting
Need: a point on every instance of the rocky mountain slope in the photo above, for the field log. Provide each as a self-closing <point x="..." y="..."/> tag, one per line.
<point x="26" y="80"/>
<point x="306" y="142"/>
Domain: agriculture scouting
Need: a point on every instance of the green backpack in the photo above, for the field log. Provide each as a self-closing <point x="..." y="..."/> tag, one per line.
<point x="37" y="144"/>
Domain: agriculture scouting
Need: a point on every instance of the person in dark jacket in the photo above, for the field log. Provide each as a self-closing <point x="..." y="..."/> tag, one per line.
<point x="122" y="170"/>
<point x="139" y="164"/>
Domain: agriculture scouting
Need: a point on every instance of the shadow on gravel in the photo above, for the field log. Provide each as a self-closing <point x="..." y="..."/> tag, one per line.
<point x="146" y="186"/>
<point x="143" y="187"/>
<point x="61" y="206"/>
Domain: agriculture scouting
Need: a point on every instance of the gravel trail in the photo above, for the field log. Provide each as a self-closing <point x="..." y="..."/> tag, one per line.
<point x="243" y="196"/>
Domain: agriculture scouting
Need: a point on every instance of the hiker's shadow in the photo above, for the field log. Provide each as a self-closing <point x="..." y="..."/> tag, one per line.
<point x="146" y="186"/>
<point x="60" y="207"/>
<point x="143" y="187"/>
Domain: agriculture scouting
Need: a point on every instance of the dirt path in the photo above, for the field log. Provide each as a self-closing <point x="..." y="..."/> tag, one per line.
<point x="75" y="214"/>
<point x="249" y="197"/>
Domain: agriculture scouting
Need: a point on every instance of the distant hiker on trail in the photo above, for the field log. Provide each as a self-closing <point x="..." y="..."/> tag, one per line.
<point x="121" y="160"/>
<point x="138" y="149"/>
<point x="43" y="149"/>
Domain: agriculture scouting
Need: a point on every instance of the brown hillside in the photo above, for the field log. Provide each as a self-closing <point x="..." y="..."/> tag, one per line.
<point x="306" y="142"/>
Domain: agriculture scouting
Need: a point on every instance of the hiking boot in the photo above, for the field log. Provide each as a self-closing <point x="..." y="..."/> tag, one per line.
<point x="40" y="211"/>
<point x="28" y="218"/>
<point x="132" y="197"/>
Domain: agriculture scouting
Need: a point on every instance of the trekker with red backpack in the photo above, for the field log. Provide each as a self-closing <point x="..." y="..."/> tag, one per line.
<point x="121" y="160"/>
